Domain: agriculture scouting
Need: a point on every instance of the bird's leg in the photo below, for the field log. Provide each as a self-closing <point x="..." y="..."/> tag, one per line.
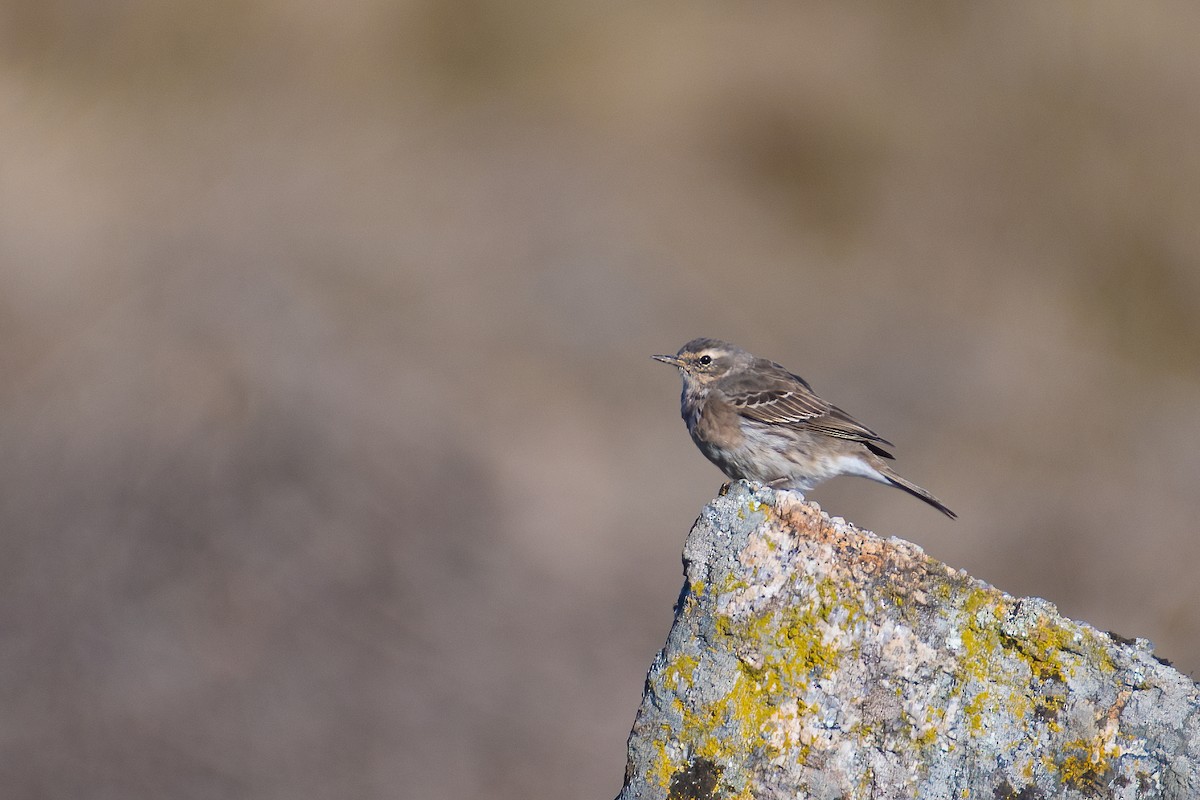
<point x="788" y="484"/>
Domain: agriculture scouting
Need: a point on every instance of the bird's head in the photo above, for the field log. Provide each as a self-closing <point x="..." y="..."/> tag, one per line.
<point x="702" y="361"/>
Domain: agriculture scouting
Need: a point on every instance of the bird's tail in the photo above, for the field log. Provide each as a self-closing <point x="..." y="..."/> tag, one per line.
<point x="916" y="491"/>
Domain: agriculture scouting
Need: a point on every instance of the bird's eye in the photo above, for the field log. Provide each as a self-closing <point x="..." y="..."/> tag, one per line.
<point x="705" y="360"/>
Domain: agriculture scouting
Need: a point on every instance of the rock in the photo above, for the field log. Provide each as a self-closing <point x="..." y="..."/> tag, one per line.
<point x="812" y="659"/>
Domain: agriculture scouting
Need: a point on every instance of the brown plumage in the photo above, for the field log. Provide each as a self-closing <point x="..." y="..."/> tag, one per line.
<point x="755" y="420"/>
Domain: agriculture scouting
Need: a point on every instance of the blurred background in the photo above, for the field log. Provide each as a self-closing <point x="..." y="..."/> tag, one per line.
<point x="335" y="464"/>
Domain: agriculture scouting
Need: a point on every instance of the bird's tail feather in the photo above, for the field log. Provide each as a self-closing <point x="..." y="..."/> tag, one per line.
<point x="916" y="491"/>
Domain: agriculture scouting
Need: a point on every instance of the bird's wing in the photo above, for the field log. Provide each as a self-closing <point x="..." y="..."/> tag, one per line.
<point x="779" y="405"/>
<point x="778" y="397"/>
<point x="840" y="424"/>
<point x="769" y="393"/>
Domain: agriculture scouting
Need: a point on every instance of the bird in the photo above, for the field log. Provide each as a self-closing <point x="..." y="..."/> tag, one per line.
<point x="757" y="421"/>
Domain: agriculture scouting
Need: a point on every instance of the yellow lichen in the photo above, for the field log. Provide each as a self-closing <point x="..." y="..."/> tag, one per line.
<point x="980" y="639"/>
<point x="1047" y="708"/>
<point x="1085" y="763"/>
<point x="1044" y="646"/>
<point x="664" y="766"/>
<point x="764" y="708"/>
<point x="756" y="507"/>
<point x="1053" y="650"/>
<point x="981" y="673"/>
<point x="753" y="507"/>
<point x="974" y="711"/>
<point x="929" y="733"/>
<point x="681" y="668"/>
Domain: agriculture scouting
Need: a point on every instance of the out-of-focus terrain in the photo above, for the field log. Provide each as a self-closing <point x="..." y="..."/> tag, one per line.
<point x="335" y="464"/>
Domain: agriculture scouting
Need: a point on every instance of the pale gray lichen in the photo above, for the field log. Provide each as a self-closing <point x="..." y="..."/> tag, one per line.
<point x="812" y="659"/>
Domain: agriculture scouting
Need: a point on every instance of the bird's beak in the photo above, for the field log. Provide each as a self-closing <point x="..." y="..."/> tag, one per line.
<point x="674" y="361"/>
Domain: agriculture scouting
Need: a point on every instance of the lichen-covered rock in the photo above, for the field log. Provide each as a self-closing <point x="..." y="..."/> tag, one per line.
<point x="811" y="659"/>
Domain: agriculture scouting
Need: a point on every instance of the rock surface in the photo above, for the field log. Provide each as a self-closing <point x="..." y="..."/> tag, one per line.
<point x="809" y="658"/>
